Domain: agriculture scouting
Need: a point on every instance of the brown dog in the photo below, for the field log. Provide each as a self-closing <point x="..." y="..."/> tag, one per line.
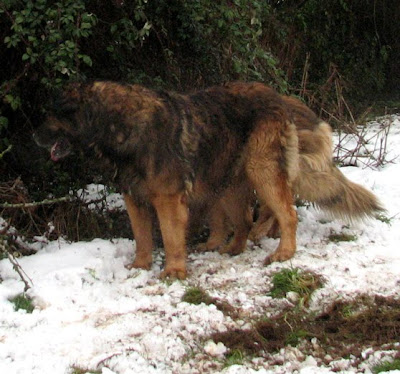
<point x="318" y="181"/>
<point x="170" y="152"/>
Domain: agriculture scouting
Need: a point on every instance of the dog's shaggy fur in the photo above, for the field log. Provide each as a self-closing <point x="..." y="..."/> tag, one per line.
<point x="172" y="152"/>
<point x="318" y="181"/>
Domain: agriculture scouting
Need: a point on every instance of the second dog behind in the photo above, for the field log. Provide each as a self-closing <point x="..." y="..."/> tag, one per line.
<point x="318" y="181"/>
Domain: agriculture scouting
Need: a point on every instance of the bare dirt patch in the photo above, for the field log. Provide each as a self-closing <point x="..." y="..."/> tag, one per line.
<point x="346" y="328"/>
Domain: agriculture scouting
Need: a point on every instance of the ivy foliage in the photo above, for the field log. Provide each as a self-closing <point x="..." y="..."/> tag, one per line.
<point x="48" y="35"/>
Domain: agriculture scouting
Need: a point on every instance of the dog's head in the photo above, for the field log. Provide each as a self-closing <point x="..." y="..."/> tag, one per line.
<point x="59" y="131"/>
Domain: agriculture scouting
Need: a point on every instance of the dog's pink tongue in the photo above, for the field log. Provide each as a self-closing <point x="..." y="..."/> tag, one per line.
<point x="53" y="152"/>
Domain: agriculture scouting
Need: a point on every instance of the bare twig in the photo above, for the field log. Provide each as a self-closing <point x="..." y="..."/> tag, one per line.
<point x="36" y="203"/>
<point x="16" y="266"/>
<point x="8" y="149"/>
<point x="371" y="158"/>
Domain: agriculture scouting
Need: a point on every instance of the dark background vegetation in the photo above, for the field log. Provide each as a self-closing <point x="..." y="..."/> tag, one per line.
<point x="340" y="56"/>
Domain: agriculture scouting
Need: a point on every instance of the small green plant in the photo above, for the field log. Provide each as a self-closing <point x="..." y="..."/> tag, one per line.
<point x="24" y="302"/>
<point x="323" y="221"/>
<point x="294" y="337"/>
<point x="81" y="370"/>
<point x="92" y="273"/>
<point x="234" y="357"/>
<point x="386" y="366"/>
<point x="196" y="296"/>
<point x="295" y="280"/>
<point x="341" y="237"/>
<point x="348" y="310"/>
<point x="384" y="219"/>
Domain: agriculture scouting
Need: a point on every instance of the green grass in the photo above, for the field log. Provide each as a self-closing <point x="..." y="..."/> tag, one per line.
<point x="295" y="280"/>
<point x="384" y="219"/>
<point x="80" y="370"/>
<point x="234" y="357"/>
<point x="294" y="337"/>
<point x="386" y="366"/>
<point x="23" y="302"/>
<point x="196" y="296"/>
<point x="342" y="237"/>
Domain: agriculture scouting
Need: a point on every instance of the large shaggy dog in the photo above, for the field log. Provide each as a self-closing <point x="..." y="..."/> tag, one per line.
<point x="169" y="152"/>
<point x="318" y="181"/>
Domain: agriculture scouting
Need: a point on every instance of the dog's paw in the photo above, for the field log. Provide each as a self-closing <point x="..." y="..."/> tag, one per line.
<point x="233" y="249"/>
<point x="279" y="256"/>
<point x="205" y="247"/>
<point x="174" y="273"/>
<point x="139" y="264"/>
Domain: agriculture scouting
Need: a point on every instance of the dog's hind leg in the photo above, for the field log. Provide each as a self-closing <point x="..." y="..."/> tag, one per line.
<point x="268" y="168"/>
<point x="237" y="206"/>
<point x="273" y="191"/>
<point x="141" y="222"/>
<point x="173" y="215"/>
<point x="220" y="227"/>
<point x="265" y="225"/>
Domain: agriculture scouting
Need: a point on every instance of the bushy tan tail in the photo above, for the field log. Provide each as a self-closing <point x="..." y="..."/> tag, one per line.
<point x="323" y="184"/>
<point x="332" y="191"/>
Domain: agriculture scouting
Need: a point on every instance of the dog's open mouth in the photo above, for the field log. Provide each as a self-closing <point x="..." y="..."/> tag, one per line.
<point x="60" y="149"/>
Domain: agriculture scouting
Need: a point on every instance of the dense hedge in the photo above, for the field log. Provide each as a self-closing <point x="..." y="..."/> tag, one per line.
<point x="293" y="45"/>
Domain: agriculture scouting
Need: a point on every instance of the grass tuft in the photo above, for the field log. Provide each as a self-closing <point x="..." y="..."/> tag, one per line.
<point x="386" y="366"/>
<point x="234" y="357"/>
<point x="295" y="280"/>
<point x="293" y="338"/>
<point x="384" y="219"/>
<point x="81" y="370"/>
<point x="23" y="302"/>
<point x="341" y="237"/>
<point x="196" y="296"/>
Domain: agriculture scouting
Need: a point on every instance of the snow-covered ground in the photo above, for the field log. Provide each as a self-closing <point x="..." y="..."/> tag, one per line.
<point x="93" y="313"/>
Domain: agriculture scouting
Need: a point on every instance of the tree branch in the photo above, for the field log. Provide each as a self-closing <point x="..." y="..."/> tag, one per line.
<point x="36" y="203"/>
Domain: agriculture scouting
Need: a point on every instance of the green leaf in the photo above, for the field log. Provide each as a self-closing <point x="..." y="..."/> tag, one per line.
<point x="87" y="60"/>
<point x="19" y="19"/>
<point x="86" y="25"/>
<point x="3" y="122"/>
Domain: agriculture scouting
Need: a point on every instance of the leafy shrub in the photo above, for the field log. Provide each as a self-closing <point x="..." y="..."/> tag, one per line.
<point x="48" y="35"/>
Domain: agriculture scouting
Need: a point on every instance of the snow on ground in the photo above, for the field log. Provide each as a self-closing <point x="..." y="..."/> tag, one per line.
<point x="93" y="313"/>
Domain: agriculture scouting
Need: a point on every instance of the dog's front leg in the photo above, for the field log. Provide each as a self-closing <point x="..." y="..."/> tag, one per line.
<point x="141" y="223"/>
<point x="173" y="215"/>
